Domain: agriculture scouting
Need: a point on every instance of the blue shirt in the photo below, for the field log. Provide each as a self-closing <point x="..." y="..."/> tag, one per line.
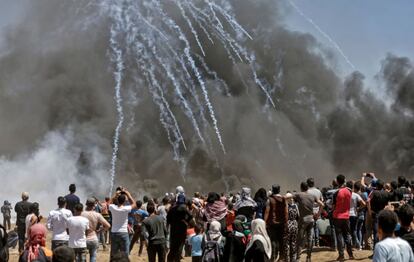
<point x="132" y="218"/>
<point x="195" y="243"/>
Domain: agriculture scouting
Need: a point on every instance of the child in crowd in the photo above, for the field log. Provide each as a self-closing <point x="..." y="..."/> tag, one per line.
<point x="195" y="243"/>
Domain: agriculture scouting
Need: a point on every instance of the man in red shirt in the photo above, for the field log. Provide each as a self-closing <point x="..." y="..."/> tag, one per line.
<point x="341" y="207"/>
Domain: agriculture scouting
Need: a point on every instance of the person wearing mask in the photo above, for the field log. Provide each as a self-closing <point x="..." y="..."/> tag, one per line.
<point x="95" y="219"/>
<point x="276" y="215"/>
<point x="390" y="248"/>
<point x="35" y="249"/>
<point x="119" y="230"/>
<point x="57" y="223"/>
<point x="178" y="219"/>
<point x="71" y="198"/>
<point x="246" y="205"/>
<point x="77" y="227"/>
<point x="6" y="210"/>
<point x="306" y="203"/>
<point x="259" y="248"/>
<point x="316" y="213"/>
<point x="22" y="209"/>
<point x="341" y="208"/>
<point x="155" y="232"/>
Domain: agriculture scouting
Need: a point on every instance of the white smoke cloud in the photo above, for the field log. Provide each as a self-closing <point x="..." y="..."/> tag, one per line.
<point x="47" y="171"/>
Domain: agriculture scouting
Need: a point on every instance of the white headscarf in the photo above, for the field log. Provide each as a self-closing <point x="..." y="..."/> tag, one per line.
<point x="245" y="199"/>
<point x="214" y="231"/>
<point x="259" y="233"/>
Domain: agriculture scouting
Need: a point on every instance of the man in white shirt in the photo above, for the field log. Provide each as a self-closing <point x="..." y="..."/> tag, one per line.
<point x="119" y="230"/>
<point x="95" y="218"/>
<point x="56" y="222"/>
<point x="78" y="227"/>
<point x="390" y="248"/>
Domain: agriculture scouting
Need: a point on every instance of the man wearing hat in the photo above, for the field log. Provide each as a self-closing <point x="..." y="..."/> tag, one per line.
<point x="22" y="209"/>
<point x="95" y="218"/>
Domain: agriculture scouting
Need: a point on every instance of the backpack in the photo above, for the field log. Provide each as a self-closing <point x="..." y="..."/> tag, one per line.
<point x="212" y="251"/>
<point x="4" y="249"/>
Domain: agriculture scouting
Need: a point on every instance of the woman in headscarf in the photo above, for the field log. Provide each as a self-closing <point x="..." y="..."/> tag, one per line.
<point x="32" y="218"/>
<point x="213" y="241"/>
<point x="215" y="210"/>
<point x="261" y="199"/>
<point x="259" y="248"/>
<point x="35" y="249"/>
<point x="236" y="243"/>
<point x="246" y="205"/>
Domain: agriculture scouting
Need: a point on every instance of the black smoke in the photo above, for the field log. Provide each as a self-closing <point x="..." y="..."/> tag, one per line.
<point x="56" y="75"/>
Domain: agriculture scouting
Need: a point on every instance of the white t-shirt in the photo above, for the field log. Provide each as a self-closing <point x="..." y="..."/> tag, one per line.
<point x="393" y="250"/>
<point x="119" y="218"/>
<point x="355" y="199"/>
<point x="57" y="222"/>
<point x="77" y="227"/>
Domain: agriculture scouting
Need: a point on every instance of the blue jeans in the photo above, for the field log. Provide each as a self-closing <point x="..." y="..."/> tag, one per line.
<point x="92" y="246"/>
<point x="119" y="243"/>
<point x="354" y="231"/>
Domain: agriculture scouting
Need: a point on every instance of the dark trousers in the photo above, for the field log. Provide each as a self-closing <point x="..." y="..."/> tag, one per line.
<point x="176" y="248"/>
<point x="138" y="235"/>
<point x="305" y="234"/>
<point x="80" y="254"/>
<point x="6" y="223"/>
<point x="276" y="234"/>
<point x="196" y="259"/>
<point x="154" y="250"/>
<point x="343" y="233"/>
<point x="21" y="231"/>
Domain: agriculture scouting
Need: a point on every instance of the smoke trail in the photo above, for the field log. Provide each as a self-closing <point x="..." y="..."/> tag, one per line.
<point x="322" y="33"/>
<point x="117" y="59"/>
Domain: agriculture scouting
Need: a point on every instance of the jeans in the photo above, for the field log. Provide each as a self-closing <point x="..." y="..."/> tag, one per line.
<point x="58" y="243"/>
<point x="343" y="232"/>
<point x="305" y="234"/>
<point x="353" y="223"/>
<point x="276" y="234"/>
<point x="119" y="243"/>
<point x="333" y="233"/>
<point x="80" y="254"/>
<point x="92" y="246"/>
<point x="316" y="232"/>
<point x="153" y="250"/>
<point x="359" y="229"/>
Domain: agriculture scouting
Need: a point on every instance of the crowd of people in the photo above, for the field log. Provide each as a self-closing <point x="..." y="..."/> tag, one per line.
<point x="347" y="215"/>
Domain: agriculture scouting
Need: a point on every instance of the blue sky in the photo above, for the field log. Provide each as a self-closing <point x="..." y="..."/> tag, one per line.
<point x="366" y="30"/>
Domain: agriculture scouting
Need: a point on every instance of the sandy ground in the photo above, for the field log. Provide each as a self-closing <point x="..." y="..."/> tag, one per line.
<point x="317" y="256"/>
